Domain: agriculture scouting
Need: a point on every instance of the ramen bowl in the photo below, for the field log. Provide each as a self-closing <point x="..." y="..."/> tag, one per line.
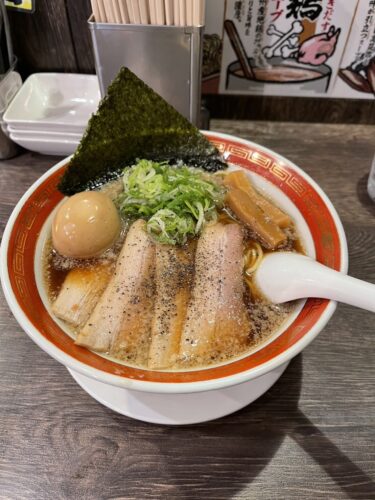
<point x="176" y="397"/>
<point x="281" y="76"/>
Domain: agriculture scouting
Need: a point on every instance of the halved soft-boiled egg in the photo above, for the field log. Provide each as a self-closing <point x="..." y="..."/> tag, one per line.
<point x="85" y="225"/>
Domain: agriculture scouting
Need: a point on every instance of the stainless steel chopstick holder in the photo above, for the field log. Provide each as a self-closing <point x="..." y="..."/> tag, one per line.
<point x="167" y="58"/>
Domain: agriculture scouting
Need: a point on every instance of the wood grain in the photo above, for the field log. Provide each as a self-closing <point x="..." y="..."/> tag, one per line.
<point x="42" y="40"/>
<point x="78" y="14"/>
<point x="310" y="437"/>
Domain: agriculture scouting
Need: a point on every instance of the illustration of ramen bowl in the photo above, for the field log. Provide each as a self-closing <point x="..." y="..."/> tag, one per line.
<point x="285" y="75"/>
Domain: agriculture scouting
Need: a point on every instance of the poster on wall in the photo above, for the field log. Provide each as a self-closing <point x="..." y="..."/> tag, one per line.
<point x="284" y="47"/>
<point x="356" y="77"/>
<point x="322" y="48"/>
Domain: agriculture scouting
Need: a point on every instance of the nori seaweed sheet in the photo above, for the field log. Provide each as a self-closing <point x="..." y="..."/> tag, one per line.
<point x="134" y="122"/>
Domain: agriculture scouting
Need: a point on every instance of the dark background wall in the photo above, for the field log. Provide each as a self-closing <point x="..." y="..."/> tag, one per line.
<point x="56" y="38"/>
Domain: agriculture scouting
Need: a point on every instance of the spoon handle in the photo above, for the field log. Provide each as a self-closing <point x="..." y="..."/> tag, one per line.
<point x="346" y="289"/>
<point x="287" y="276"/>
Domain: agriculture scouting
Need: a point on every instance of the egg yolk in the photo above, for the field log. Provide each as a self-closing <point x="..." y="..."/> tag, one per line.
<point x="85" y="225"/>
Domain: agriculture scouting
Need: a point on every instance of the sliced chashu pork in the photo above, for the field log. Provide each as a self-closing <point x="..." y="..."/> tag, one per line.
<point x="80" y="293"/>
<point x="119" y="321"/>
<point x="131" y="342"/>
<point x="173" y="277"/>
<point x="217" y="322"/>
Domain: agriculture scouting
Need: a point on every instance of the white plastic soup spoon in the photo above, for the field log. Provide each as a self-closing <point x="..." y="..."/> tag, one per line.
<point x="284" y="276"/>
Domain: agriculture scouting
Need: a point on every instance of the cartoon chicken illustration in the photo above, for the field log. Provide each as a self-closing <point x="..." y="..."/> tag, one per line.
<point x="315" y="51"/>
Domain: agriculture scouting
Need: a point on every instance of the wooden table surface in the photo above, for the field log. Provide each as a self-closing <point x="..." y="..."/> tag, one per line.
<point x="311" y="436"/>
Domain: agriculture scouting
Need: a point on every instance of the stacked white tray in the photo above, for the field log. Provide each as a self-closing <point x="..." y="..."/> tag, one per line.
<point x="50" y="112"/>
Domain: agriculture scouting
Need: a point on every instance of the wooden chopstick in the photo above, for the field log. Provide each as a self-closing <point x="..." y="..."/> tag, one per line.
<point x="136" y="12"/>
<point x="196" y="12"/>
<point x="95" y="11"/>
<point x="143" y="9"/>
<point x="169" y="19"/>
<point x="182" y="12"/>
<point x="160" y="14"/>
<point x="124" y="12"/>
<point x="102" y="14"/>
<point x="202" y="12"/>
<point x="176" y="12"/>
<point x="239" y="48"/>
<point x="152" y="7"/>
<point x="108" y="11"/>
<point x="129" y="5"/>
<point x="116" y="11"/>
<point x="189" y="12"/>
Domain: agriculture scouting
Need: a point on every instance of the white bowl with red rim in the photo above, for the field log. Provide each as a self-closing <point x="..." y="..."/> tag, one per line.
<point x="178" y="397"/>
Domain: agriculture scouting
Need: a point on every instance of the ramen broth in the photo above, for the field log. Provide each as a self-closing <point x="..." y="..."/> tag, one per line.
<point x="265" y="318"/>
<point x="281" y="74"/>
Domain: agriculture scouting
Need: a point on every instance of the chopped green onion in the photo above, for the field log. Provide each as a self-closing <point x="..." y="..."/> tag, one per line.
<point x="177" y="201"/>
